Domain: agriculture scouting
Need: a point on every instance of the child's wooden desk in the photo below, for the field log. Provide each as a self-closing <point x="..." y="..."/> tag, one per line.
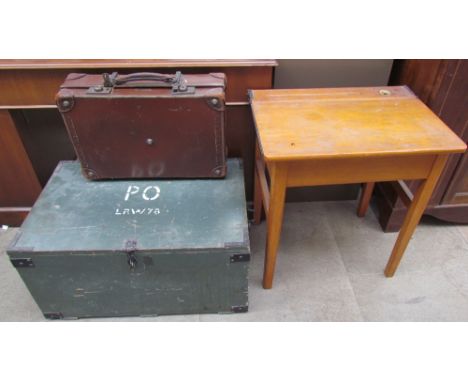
<point x="308" y="137"/>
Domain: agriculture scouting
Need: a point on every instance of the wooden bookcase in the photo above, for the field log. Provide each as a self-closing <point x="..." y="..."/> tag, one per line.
<point x="33" y="138"/>
<point x="442" y="85"/>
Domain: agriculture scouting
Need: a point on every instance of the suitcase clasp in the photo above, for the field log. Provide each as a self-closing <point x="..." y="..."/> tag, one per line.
<point x="180" y="85"/>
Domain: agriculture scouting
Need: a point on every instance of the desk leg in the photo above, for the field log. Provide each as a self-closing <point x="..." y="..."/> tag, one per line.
<point x="257" y="202"/>
<point x="417" y="207"/>
<point x="278" y="177"/>
<point x="365" y="198"/>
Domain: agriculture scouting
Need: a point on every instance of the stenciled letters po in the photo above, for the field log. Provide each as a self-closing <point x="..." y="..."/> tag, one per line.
<point x="149" y="193"/>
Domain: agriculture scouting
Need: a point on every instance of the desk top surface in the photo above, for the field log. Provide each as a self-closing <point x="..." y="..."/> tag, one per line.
<point x="348" y="122"/>
<point x="95" y="64"/>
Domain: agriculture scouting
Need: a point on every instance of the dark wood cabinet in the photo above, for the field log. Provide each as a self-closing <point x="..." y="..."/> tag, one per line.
<point x="443" y="86"/>
<point x="33" y="138"/>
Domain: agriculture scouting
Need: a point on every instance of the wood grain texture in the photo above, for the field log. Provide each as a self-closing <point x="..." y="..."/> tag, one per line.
<point x="414" y="214"/>
<point x="404" y="193"/>
<point x="258" y="194"/>
<point x="265" y="191"/>
<point x="257" y="200"/>
<point x="240" y="140"/>
<point x="33" y="84"/>
<point x="348" y="122"/>
<point x="278" y="176"/>
<point x="334" y="136"/>
<point x="148" y="63"/>
<point x="448" y="100"/>
<point x="455" y="213"/>
<point x="457" y="191"/>
<point x="442" y="85"/>
<point x="454" y="112"/>
<point x="423" y="75"/>
<point x="365" y="198"/>
<point x="43" y="131"/>
<point x="19" y="186"/>
<point x="37" y="88"/>
<point x="319" y="172"/>
<point x="13" y="216"/>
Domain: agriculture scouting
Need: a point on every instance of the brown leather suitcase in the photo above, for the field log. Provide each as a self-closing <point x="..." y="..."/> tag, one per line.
<point x="146" y="125"/>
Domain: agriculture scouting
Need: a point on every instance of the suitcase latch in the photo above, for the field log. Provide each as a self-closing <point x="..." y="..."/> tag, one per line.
<point x="180" y="85"/>
<point x="99" y="89"/>
<point x="130" y="248"/>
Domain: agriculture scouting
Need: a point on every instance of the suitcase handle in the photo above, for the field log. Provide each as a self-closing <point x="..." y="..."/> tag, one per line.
<point x="111" y="80"/>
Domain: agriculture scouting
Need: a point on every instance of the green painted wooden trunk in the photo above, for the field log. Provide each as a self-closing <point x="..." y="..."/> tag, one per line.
<point x="135" y="248"/>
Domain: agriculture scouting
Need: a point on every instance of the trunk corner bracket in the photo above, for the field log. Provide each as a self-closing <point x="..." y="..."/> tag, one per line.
<point x="240" y="309"/>
<point x="240" y="257"/>
<point x="53" y="315"/>
<point x="22" y="263"/>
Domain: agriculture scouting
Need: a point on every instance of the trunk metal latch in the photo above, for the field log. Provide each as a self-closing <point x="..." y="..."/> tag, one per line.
<point x="130" y="248"/>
